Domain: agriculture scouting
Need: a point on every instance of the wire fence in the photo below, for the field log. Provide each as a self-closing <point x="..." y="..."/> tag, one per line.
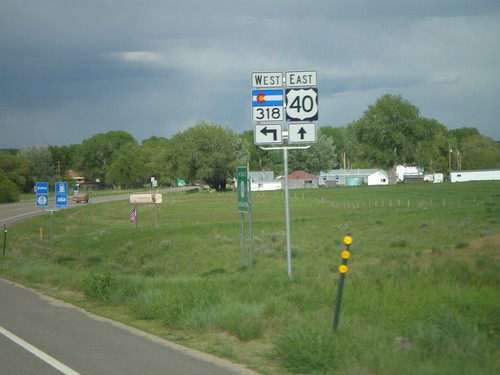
<point x="408" y="203"/>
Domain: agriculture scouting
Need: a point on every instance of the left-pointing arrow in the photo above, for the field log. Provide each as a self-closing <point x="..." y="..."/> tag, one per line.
<point x="266" y="131"/>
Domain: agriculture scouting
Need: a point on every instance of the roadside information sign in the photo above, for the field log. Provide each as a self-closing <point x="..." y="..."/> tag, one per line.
<point x="61" y="195"/>
<point x="267" y="105"/>
<point x="242" y="174"/>
<point x="42" y="194"/>
<point x="302" y="104"/>
<point x="301" y="78"/>
<point x="267" y="79"/>
<point x="146" y="198"/>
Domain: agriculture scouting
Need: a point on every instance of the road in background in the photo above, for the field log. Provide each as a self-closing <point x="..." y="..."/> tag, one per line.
<point x="13" y="212"/>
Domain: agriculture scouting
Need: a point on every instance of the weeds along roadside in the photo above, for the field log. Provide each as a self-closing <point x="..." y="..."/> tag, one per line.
<point x="413" y="268"/>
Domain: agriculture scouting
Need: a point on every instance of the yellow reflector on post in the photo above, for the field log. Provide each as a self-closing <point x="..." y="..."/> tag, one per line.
<point x="347" y="240"/>
<point x="343" y="268"/>
<point x="345" y="254"/>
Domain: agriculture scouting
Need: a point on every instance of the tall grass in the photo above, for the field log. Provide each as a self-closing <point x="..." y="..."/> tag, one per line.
<point x="421" y="295"/>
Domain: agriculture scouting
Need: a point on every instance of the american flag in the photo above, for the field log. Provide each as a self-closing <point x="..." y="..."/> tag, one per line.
<point x="133" y="215"/>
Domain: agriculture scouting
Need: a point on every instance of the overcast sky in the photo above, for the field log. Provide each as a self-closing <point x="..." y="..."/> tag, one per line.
<point x="70" y="69"/>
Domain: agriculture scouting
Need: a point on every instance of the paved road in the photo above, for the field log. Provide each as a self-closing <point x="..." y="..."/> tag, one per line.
<point x="14" y="212"/>
<point x="43" y="336"/>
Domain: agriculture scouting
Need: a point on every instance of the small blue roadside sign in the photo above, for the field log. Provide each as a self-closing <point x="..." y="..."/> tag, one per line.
<point x="61" y="195"/>
<point x="42" y="188"/>
<point x="42" y="194"/>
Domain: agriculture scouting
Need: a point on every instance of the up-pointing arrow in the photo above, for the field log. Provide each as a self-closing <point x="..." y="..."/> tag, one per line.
<point x="302" y="132"/>
<point x="266" y="131"/>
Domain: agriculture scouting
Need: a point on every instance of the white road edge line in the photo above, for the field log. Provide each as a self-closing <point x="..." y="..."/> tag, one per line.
<point x="43" y="356"/>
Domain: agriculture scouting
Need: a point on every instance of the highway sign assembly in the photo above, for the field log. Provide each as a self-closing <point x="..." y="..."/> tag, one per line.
<point x="42" y="194"/>
<point x="275" y="94"/>
<point x="61" y="195"/>
<point x="290" y="96"/>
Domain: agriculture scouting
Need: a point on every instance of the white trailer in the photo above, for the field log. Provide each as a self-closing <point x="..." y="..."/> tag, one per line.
<point x="478" y="175"/>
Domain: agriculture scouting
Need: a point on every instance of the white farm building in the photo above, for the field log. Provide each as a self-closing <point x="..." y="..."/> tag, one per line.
<point x="355" y="177"/>
<point x="477" y="175"/>
<point x="264" y="181"/>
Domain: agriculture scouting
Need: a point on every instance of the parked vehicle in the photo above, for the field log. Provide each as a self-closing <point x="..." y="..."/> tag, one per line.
<point x="80" y="198"/>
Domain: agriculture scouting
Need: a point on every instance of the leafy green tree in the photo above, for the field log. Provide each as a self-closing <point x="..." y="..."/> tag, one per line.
<point x="461" y="134"/>
<point x="391" y="132"/>
<point x="321" y="156"/>
<point x="386" y="132"/>
<point x="63" y="157"/>
<point x="345" y="143"/>
<point x="429" y="147"/>
<point x="127" y="170"/>
<point x="9" y="192"/>
<point x="478" y="152"/>
<point x="40" y="161"/>
<point x="262" y="160"/>
<point x="208" y="153"/>
<point x="17" y="170"/>
<point x="154" y="154"/>
<point x="97" y="153"/>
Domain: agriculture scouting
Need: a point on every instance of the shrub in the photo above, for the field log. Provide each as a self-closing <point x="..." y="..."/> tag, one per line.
<point x="447" y="335"/>
<point x="307" y="349"/>
<point x="99" y="287"/>
<point x="242" y="320"/>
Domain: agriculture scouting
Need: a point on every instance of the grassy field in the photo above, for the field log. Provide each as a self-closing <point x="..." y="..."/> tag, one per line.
<point x="421" y="295"/>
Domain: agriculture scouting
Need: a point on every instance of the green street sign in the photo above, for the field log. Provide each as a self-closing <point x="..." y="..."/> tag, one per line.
<point x="242" y="174"/>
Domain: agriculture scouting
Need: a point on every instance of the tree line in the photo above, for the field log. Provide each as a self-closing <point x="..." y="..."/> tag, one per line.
<point x="390" y="132"/>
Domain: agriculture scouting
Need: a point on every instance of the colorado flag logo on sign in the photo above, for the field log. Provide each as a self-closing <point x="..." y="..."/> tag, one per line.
<point x="266" y="98"/>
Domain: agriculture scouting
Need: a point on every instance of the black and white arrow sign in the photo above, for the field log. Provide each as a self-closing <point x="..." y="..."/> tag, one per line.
<point x="268" y="134"/>
<point x="301" y="133"/>
<point x="266" y="131"/>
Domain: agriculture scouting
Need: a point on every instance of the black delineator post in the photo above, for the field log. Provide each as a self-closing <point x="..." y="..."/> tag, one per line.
<point x="345" y="255"/>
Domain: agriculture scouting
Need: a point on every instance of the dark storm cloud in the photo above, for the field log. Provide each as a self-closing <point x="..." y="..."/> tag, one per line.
<point x="70" y="69"/>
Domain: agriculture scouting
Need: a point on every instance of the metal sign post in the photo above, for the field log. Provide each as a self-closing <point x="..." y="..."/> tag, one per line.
<point x="287" y="199"/>
<point x="250" y="217"/>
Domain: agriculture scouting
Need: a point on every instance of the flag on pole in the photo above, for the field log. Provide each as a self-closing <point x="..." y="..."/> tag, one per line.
<point x="133" y="215"/>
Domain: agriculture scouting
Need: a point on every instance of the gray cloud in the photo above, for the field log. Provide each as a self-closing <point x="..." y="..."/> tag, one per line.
<point x="69" y="70"/>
